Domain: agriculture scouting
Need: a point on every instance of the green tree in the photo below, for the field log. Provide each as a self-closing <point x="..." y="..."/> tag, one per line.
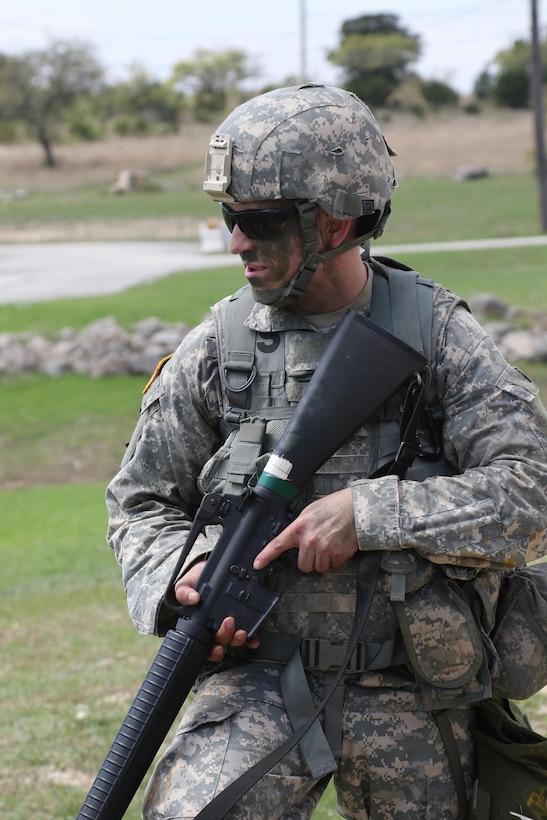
<point x="210" y="77"/>
<point x="438" y="94"/>
<point x="40" y="87"/>
<point x="484" y="85"/>
<point x="143" y="104"/>
<point x="507" y="79"/>
<point x="375" y="53"/>
<point x="512" y="88"/>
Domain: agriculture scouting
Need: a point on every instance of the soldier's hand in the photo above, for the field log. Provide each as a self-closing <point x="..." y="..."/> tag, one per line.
<point x="227" y="635"/>
<point x="324" y="534"/>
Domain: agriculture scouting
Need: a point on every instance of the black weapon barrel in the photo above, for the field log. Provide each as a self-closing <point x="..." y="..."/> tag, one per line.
<point x="154" y="709"/>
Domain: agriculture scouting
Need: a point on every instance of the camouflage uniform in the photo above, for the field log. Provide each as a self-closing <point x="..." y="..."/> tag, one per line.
<point x="445" y="532"/>
<point x="485" y="513"/>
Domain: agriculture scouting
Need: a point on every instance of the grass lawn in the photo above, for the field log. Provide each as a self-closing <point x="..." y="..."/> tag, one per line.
<point x="73" y="660"/>
<point x="423" y="209"/>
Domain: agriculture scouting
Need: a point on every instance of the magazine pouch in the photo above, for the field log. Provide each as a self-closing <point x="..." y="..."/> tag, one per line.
<point x="443" y="643"/>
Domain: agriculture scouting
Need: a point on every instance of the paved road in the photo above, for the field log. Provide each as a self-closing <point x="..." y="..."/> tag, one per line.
<point x="43" y="271"/>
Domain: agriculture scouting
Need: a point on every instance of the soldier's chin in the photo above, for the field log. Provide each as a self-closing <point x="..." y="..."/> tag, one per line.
<point x="272" y="297"/>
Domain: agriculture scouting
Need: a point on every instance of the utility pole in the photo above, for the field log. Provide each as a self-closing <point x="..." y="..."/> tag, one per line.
<point x="537" y="104"/>
<point x="303" y="47"/>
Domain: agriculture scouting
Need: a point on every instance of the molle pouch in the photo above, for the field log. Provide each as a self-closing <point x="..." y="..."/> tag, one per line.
<point x="233" y="464"/>
<point x="245" y="451"/>
<point x="520" y="633"/>
<point x="443" y="642"/>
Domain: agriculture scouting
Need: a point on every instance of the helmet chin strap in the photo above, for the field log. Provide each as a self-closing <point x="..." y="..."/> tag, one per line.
<point x="291" y="293"/>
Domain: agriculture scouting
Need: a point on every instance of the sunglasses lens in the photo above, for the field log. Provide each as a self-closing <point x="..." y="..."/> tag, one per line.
<point x="263" y="224"/>
<point x="228" y="218"/>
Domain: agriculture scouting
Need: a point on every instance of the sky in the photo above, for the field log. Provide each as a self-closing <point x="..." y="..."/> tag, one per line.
<point x="282" y="37"/>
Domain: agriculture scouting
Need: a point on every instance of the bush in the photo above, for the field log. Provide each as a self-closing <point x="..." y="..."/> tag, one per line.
<point x="513" y="88"/>
<point x="437" y="93"/>
<point x="9" y="132"/>
<point x="84" y="131"/>
<point x="471" y="107"/>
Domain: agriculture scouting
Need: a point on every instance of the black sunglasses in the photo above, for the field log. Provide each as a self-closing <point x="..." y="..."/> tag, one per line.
<point x="262" y="224"/>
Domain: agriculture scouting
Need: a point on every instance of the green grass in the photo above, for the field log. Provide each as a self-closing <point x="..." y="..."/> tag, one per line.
<point x="72" y="659"/>
<point x="498" y="206"/>
<point x="181" y="196"/>
<point x="183" y="297"/>
<point x="516" y="275"/>
<point x="60" y="430"/>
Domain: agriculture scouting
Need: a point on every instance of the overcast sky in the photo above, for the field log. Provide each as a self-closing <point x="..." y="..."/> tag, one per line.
<point x="459" y="37"/>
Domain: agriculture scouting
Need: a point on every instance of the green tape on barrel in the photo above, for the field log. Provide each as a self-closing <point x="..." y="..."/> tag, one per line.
<point x="283" y="488"/>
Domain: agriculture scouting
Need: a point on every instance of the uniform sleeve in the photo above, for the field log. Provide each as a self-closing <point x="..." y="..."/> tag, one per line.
<point x="493" y="513"/>
<point x="152" y="500"/>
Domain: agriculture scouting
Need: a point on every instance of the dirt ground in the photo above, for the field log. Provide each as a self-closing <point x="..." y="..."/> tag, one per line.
<point x="502" y="141"/>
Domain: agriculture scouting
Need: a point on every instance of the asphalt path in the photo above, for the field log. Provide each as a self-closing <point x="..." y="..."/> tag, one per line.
<point x="40" y="272"/>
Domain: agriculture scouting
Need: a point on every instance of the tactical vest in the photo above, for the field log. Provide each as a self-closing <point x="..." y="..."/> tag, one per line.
<point x="259" y="397"/>
<point x="253" y="374"/>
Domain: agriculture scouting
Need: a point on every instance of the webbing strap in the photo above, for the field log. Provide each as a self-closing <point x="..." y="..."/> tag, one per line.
<point x="402" y="302"/>
<point x="244" y="454"/>
<point x="300" y="709"/>
<point x="444" y="726"/>
<point x="243" y="358"/>
<point x="369" y="567"/>
<point x="404" y="308"/>
<point x="237" y="368"/>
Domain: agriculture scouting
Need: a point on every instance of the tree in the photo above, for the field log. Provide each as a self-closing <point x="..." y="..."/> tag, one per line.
<point x="375" y="53"/>
<point x="210" y="76"/>
<point x="484" y="85"/>
<point x="512" y="88"/>
<point x="507" y="80"/>
<point x="39" y="87"/>
<point x="438" y="94"/>
<point x="143" y="104"/>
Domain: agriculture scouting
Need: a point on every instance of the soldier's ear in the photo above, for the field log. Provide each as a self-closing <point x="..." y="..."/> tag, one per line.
<point x="339" y="231"/>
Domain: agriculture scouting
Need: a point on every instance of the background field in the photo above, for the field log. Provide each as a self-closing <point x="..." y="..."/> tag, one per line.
<point x="72" y="659"/>
<point x="73" y="201"/>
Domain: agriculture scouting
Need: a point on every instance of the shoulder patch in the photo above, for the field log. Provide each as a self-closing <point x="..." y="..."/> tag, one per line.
<point x="156" y="373"/>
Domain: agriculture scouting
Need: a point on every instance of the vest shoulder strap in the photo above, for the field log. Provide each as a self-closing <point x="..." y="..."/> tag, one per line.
<point x="402" y="302"/>
<point x="242" y="359"/>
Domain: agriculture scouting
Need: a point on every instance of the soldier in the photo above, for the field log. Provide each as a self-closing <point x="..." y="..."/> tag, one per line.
<point x="304" y="178"/>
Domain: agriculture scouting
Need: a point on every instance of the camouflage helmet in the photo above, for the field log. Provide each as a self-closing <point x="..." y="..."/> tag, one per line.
<point x="315" y="143"/>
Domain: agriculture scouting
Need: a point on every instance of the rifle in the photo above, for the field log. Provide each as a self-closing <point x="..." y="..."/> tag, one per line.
<point x="363" y="366"/>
